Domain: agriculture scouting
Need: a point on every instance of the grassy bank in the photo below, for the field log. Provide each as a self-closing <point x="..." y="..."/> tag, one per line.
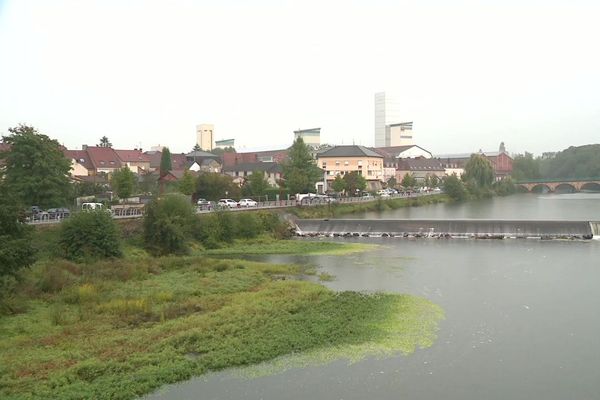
<point x="338" y="209"/>
<point x="118" y="329"/>
<point x="121" y="328"/>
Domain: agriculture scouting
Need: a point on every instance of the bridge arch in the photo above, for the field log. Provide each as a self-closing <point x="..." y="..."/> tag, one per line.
<point x="541" y="188"/>
<point x="591" y="186"/>
<point x="565" y="188"/>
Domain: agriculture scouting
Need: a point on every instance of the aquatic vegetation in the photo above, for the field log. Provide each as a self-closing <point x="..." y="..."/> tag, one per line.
<point x="120" y="331"/>
<point x="266" y="245"/>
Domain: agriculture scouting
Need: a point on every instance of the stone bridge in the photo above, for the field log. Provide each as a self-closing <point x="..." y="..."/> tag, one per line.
<point x="568" y="185"/>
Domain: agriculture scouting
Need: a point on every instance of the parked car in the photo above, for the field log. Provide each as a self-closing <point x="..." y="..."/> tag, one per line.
<point x="59" y="213"/>
<point x="204" y="204"/>
<point x="248" y="203"/>
<point x="91" y="206"/>
<point x="367" y="196"/>
<point x="228" y="203"/>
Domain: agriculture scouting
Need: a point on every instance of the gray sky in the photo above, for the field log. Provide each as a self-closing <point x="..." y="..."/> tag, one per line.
<point x="469" y="74"/>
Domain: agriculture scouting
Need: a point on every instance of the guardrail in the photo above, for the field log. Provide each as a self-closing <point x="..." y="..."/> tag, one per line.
<point x="136" y="212"/>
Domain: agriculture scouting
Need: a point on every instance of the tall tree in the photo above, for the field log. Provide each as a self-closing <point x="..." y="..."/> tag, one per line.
<point x="300" y="170"/>
<point x="391" y="183"/>
<point x="123" y="182"/>
<point x="526" y="167"/>
<point x="434" y="181"/>
<point x="36" y="171"/>
<point x="408" y="181"/>
<point x="165" y="162"/>
<point x="338" y="185"/>
<point x="187" y="183"/>
<point x="197" y="147"/>
<point x="455" y="188"/>
<point x="212" y="186"/>
<point x="479" y="170"/>
<point x="257" y="184"/>
<point x="16" y="249"/>
<point x="354" y="182"/>
<point x="104" y="142"/>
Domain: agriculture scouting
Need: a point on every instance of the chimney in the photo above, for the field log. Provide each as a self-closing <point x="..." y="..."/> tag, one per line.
<point x="84" y="147"/>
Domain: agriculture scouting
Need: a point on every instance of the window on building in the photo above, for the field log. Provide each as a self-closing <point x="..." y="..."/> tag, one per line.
<point x="346" y="163"/>
<point x="337" y="163"/>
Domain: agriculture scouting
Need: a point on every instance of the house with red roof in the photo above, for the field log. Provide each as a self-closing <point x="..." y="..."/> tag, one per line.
<point x="103" y="159"/>
<point x="136" y="160"/>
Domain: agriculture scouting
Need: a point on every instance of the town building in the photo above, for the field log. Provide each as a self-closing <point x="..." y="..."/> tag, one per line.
<point x="311" y="137"/>
<point x="135" y="160"/>
<point x="277" y="156"/>
<point x="341" y="160"/>
<point x="202" y="161"/>
<point x="393" y="154"/>
<point x="400" y="134"/>
<point x="500" y="160"/>
<point x="420" y="169"/>
<point x="205" y="136"/>
<point x="102" y="160"/>
<point x="387" y="112"/>
<point x="222" y="144"/>
<point x="240" y="172"/>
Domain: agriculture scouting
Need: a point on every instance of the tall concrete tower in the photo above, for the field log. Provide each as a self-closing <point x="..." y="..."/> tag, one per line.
<point x="387" y="112"/>
<point x="205" y="136"/>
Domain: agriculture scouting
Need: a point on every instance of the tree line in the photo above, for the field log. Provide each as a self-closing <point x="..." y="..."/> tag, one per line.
<point x="571" y="163"/>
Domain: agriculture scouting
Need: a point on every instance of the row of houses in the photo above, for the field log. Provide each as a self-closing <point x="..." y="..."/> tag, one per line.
<point x="378" y="165"/>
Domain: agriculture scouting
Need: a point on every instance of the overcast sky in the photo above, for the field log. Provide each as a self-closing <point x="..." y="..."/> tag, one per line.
<point x="469" y="74"/>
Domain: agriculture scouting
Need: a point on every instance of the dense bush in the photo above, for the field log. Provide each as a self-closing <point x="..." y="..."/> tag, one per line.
<point x="504" y="187"/>
<point x="218" y="228"/>
<point x="90" y="235"/>
<point x="167" y="225"/>
<point x="455" y="188"/>
<point x="16" y="249"/>
<point x="214" y="229"/>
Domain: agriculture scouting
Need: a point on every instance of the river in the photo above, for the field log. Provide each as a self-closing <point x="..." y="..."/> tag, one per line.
<point x="522" y="318"/>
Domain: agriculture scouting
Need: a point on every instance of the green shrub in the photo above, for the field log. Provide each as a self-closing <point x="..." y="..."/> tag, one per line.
<point x="211" y="232"/>
<point x="16" y="249"/>
<point x="248" y="225"/>
<point x="167" y="225"/>
<point x="90" y="235"/>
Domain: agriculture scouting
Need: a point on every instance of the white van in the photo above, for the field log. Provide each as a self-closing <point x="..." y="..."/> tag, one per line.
<point x="92" y="206"/>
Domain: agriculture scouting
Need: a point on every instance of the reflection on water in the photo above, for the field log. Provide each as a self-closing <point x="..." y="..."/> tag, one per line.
<point x="573" y="206"/>
<point x="522" y="317"/>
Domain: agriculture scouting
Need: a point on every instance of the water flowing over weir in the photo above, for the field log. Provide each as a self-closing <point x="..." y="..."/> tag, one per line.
<point x="465" y="228"/>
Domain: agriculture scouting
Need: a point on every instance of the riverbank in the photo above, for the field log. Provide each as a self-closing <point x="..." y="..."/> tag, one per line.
<point x="335" y="209"/>
<point x="117" y="329"/>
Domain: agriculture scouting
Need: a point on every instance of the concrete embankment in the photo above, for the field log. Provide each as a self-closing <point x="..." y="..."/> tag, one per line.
<point x="482" y="229"/>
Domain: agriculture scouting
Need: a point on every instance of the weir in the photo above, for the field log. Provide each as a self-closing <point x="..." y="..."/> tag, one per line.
<point x="459" y="228"/>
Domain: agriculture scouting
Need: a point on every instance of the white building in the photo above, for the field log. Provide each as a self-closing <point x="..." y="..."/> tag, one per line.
<point x="205" y="136"/>
<point x="311" y="137"/>
<point x="387" y="112"/>
<point x="400" y="134"/>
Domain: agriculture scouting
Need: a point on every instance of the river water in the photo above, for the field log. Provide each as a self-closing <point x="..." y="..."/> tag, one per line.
<point x="522" y="319"/>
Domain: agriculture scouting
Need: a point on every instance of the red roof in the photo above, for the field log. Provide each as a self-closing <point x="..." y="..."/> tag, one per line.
<point x="81" y="156"/>
<point x="132" y="156"/>
<point x="103" y="157"/>
<point x="179" y="162"/>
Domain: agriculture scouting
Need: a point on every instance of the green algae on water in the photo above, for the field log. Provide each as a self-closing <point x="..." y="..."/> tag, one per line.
<point x="411" y="324"/>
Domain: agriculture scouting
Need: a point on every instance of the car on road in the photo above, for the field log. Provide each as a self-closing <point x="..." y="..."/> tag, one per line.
<point x="202" y="202"/>
<point x="228" y="203"/>
<point x="59" y="213"/>
<point x="248" y="203"/>
<point x="367" y="196"/>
